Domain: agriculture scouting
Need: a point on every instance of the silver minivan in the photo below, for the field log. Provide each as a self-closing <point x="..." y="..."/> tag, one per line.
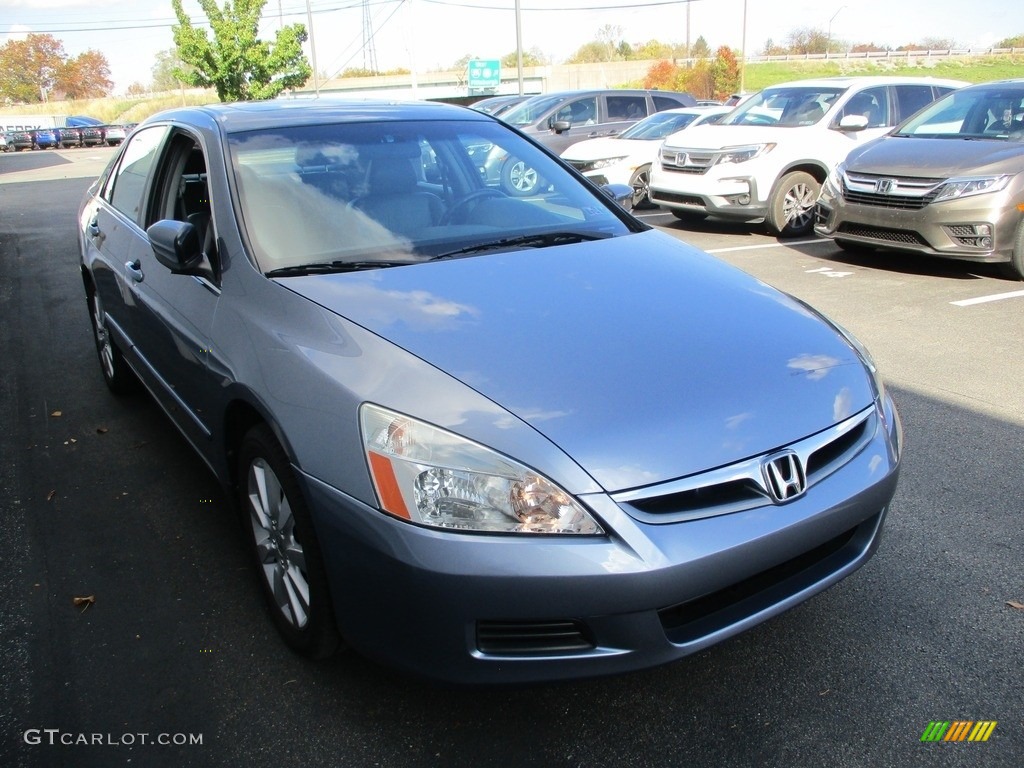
<point x="559" y="120"/>
<point x="948" y="182"/>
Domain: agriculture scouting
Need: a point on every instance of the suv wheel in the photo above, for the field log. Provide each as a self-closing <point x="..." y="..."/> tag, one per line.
<point x="1015" y="268"/>
<point x="519" y="179"/>
<point x="791" y="208"/>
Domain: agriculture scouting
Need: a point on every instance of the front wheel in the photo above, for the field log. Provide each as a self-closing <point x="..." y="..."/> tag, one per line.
<point x="1015" y="269"/>
<point x="791" y="207"/>
<point x="519" y="179"/>
<point x="641" y="182"/>
<point x="285" y="546"/>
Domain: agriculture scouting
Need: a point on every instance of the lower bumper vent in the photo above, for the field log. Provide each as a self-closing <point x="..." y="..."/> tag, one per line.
<point x="532" y="638"/>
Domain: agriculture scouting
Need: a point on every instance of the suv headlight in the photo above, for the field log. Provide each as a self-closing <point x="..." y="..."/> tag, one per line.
<point x="428" y="475"/>
<point x="744" y="153"/>
<point x="971" y="185"/>
<point x="833" y="186"/>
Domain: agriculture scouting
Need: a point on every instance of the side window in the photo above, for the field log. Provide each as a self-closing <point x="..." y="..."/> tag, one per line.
<point x="661" y="103"/>
<point x="127" y="184"/>
<point x="626" y="108"/>
<point x="911" y="98"/>
<point x="579" y="112"/>
<point x="872" y="103"/>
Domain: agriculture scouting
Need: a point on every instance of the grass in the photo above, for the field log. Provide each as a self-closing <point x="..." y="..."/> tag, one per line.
<point x="976" y="69"/>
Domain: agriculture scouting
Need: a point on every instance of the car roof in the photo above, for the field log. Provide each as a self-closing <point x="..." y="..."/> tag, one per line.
<point x="852" y="81"/>
<point x="237" y="117"/>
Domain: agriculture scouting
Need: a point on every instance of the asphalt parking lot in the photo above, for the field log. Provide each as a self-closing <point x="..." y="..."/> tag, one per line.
<point x="132" y="618"/>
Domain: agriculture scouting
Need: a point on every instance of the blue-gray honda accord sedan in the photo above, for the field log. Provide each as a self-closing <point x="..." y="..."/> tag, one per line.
<point x="485" y="439"/>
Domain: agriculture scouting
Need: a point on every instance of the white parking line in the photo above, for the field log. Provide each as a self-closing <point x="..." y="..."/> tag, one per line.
<point x="986" y="299"/>
<point x="769" y="245"/>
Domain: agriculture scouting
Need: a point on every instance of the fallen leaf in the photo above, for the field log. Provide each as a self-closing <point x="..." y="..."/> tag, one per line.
<point x="1015" y="604"/>
<point x="85" y="602"/>
<point x="50" y="495"/>
<point x="72" y="440"/>
<point x="101" y="430"/>
<point x="56" y="413"/>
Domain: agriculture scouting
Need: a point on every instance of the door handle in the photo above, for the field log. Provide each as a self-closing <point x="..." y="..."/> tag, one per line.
<point x="94" y="228"/>
<point x="134" y="269"/>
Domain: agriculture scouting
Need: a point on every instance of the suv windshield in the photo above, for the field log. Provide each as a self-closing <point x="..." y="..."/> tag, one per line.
<point x="987" y="112"/>
<point x="789" y="107"/>
<point x="395" y="193"/>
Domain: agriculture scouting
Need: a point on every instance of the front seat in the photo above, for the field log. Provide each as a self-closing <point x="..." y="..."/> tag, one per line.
<point x="394" y="201"/>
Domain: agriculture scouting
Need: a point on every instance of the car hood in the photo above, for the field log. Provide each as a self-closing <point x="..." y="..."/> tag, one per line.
<point x="718" y="136"/>
<point x="608" y="146"/>
<point x="644" y="360"/>
<point x="919" y="156"/>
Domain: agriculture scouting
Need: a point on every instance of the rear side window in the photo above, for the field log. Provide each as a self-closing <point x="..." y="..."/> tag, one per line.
<point x="127" y="184"/>
<point x="626" y="107"/>
<point x="910" y="99"/>
<point x="661" y="102"/>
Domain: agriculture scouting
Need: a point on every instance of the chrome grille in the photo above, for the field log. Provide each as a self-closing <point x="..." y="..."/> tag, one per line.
<point x="742" y="486"/>
<point x="898" y="192"/>
<point x="687" y="160"/>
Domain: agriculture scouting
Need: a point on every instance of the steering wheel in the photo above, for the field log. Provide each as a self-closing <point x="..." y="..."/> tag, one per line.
<point x="460" y="208"/>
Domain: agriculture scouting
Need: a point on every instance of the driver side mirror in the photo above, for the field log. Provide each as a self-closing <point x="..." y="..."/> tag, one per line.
<point x="176" y="245"/>
<point x="561" y="126"/>
<point x="853" y="123"/>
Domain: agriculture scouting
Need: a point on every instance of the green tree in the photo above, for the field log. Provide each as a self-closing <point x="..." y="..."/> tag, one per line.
<point x="532" y="58"/>
<point x="1017" y="41"/>
<point x="652" y="49"/>
<point x="236" y="63"/>
<point x="29" y="68"/>
<point x="700" y="49"/>
<point x="725" y="73"/>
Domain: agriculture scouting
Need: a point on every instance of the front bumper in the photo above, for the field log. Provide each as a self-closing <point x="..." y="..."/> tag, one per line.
<point x="519" y="609"/>
<point x="954" y="229"/>
<point x="734" y="196"/>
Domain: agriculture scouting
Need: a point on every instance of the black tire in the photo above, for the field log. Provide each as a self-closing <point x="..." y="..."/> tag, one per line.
<point x="285" y="548"/>
<point x="1015" y="269"/>
<point x="641" y="182"/>
<point x="791" y="207"/>
<point x="688" y="216"/>
<point x="519" y="179"/>
<point x="118" y="376"/>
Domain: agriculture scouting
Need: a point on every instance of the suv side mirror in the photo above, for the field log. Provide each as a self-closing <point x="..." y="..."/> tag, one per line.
<point x="853" y="123"/>
<point x="561" y="126"/>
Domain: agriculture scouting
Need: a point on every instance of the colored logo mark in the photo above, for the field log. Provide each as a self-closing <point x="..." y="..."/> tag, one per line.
<point x="958" y="730"/>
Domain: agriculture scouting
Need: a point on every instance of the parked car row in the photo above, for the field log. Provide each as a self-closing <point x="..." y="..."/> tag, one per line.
<point x="921" y="165"/>
<point x="65" y="137"/>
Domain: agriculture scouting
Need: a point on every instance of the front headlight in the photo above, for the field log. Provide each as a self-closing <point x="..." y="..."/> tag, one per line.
<point x="744" y="153"/>
<point x="431" y="476"/>
<point x="833" y="186"/>
<point x="954" y="189"/>
<point x="605" y="163"/>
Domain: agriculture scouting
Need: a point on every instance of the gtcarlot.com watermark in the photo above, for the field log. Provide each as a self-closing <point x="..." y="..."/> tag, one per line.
<point x="56" y="737"/>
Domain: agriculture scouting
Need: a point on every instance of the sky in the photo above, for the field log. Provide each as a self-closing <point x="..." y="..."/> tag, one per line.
<point x="427" y="35"/>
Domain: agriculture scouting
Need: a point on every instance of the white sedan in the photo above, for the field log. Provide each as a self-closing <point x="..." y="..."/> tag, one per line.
<point x="627" y="158"/>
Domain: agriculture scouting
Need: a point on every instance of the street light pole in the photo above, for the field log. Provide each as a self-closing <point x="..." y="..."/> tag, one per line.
<point x="312" y="51"/>
<point x="828" y="42"/>
<point x="743" y="49"/>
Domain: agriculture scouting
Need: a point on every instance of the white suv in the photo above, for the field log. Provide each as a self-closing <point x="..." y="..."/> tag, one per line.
<point x="768" y="158"/>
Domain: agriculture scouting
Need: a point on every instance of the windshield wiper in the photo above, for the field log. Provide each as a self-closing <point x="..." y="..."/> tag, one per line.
<point x="331" y="267"/>
<point x="525" y="241"/>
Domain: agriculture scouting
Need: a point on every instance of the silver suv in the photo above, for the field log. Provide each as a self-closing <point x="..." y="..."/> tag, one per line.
<point x="948" y="182"/>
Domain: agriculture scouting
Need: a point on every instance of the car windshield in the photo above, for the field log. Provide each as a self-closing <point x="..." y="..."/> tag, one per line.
<point x="990" y="112"/>
<point x="789" y="107"/>
<point x="658" y="126"/>
<point x="531" y="110"/>
<point x="370" y="194"/>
